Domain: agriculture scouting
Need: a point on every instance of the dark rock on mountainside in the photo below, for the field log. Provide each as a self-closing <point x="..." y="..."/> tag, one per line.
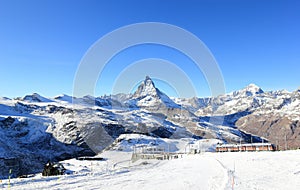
<point x="7" y="122"/>
<point x="279" y="130"/>
<point x="53" y="169"/>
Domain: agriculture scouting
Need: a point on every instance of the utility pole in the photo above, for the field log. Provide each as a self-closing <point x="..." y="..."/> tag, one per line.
<point x="263" y="139"/>
<point x="240" y="148"/>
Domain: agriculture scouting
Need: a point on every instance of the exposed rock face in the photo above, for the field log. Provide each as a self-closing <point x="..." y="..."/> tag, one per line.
<point x="146" y="88"/>
<point x="35" y="98"/>
<point x="149" y="97"/>
<point x="7" y="122"/>
<point x="280" y="130"/>
<point x="272" y="115"/>
<point x="10" y="167"/>
<point x="53" y="169"/>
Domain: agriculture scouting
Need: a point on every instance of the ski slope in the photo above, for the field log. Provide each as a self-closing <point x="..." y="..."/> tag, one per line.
<point x="240" y="170"/>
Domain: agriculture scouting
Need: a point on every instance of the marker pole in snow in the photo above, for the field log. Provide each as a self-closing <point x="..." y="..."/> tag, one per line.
<point x="233" y="175"/>
<point x="9" y="178"/>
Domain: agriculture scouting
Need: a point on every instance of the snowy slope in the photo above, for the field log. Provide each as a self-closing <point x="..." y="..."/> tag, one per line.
<point x="255" y="170"/>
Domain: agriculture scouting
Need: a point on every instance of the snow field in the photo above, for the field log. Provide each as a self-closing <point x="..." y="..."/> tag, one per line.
<point x="250" y="170"/>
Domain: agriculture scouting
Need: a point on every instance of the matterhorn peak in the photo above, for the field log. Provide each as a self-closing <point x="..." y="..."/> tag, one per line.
<point x="149" y="96"/>
<point x="148" y="82"/>
<point x="146" y="88"/>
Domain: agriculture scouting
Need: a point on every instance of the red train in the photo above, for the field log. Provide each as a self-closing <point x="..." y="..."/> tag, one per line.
<point x="245" y="147"/>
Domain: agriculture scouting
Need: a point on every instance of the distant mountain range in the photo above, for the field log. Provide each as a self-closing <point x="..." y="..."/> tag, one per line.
<point x="35" y="129"/>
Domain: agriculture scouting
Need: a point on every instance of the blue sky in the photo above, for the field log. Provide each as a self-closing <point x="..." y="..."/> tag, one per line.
<point x="42" y="42"/>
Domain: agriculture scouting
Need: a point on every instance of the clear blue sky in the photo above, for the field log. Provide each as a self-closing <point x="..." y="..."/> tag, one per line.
<point x="42" y="42"/>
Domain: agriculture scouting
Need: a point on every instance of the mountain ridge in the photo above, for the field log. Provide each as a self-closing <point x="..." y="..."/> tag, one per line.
<point x="65" y="127"/>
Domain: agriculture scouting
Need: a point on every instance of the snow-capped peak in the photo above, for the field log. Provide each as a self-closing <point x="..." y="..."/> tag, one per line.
<point x="253" y="89"/>
<point x="146" y="88"/>
<point x="35" y="97"/>
<point x="148" y="95"/>
<point x="249" y="90"/>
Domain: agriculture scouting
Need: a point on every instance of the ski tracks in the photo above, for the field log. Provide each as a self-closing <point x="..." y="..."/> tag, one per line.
<point x="229" y="179"/>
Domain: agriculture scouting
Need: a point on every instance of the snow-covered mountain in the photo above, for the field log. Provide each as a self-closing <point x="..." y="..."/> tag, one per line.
<point x="249" y="90"/>
<point x="272" y="115"/>
<point x="147" y="95"/>
<point x="35" y="97"/>
<point x="35" y="129"/>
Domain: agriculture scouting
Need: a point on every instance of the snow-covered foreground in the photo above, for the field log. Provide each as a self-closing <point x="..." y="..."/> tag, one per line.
<point x="246" y="170"/>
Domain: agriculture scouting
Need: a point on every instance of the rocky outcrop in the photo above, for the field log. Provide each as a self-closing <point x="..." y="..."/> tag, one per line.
<point x="279" y="130"/>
